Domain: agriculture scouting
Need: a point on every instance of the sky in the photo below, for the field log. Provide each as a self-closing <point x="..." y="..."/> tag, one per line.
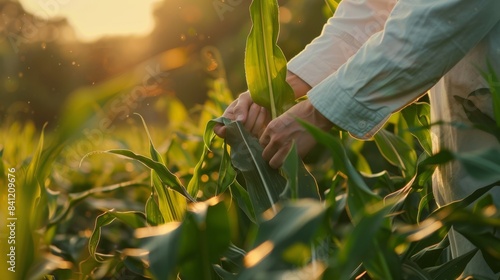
<point x="94" y="19"/>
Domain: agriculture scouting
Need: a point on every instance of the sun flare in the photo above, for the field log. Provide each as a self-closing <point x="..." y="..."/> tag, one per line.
<point x="93" y="19"/>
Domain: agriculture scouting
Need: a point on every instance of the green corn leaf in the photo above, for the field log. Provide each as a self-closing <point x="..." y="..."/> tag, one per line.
<point x="397" y="152"/>
<point x="166" y="177"/>
<point x="360" y="201"/>
<point x="483" y="164"/>
<point x="75" y="198"/>
<point x="265" y="63"/>
<point x="264" y="184"/>
<point x="413" y="271"/>
<point x="224" y="274"/>
<point x="227" y="174"/>
<point x="192" y="246"/>
<point x="300" y="182"/>
<point x="235" y="255"/>
<point x="29" y="198"/>
<point x="454" y="213"/>
<point x="382" y="262"/>
<point x="358" y="244"/>
<point x="243" y="200"/>
<point x="132" y="219"/>
<point x="31" y="184"/>
<point x="417" y="116"/>
<point x="170" y="204"/>
<point x="163" y="248"/>
<point x="194" y="184"/>
<point x="42" y="268"/>
<point x="430" y="255"/>
<point x="153" y="213"/>
<point x="291" y="170"/>
<point x="451" y="269"/>
<point x="208" y="136"/>
<point x="494" y="82"/>
<point x="359" y="194"/>
<point x="296" y="223"/>
<point x="487" y="243"/>
<point x="332" y="4"/>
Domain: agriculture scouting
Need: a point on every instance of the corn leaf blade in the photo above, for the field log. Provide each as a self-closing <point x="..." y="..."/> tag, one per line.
<point x="264" y="184"/>
<point x="265" y="63"/>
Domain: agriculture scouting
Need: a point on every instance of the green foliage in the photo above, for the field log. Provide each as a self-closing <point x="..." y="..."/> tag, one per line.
<point x="332" y="5"/>
<point x="265" y="63"/>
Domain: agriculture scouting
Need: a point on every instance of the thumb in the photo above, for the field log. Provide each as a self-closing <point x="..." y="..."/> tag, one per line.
<point x="220" y="130"/>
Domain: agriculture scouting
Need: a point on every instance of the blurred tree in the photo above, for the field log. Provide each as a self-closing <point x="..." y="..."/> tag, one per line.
<point x="41" y="62"/>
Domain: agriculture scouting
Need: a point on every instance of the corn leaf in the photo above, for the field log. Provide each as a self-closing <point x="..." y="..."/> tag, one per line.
<point x="358" y="244"/>
<point x="153" y="213"/>
<point x="453" y="268"/>
<point x="243" y="200"/>
<point x="132" y="219"/>
<point x="417" y="115"/>
<point x="483" y="164"/>
<point x="227" y="174"/>
<point x="265" y="63"/>
<point x="300" y="183"/>
<point x="494" y="83"/>
<point x="208" y="136"/>
<point x="166" y="177"/>
<point x="359" y="194"/>
<point x="397" y="152"/>
<point x="263" y="183"/>
<point x="193" y="245"/>
<point x="170" y="203"/>
<point x="332" y="4"/>
<point x="30" y="197"/>
<point x="296" y="223"/>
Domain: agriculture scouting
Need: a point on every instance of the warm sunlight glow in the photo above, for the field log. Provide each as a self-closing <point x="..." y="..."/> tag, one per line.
<point x="258" y="254"/>
<point x="93" y="19"/>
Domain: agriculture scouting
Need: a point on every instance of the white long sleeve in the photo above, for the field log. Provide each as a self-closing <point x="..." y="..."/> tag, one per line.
<point x="420" y="42"/>
<point x="354" y="22"/>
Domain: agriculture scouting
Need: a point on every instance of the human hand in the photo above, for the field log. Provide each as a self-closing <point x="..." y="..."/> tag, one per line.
<point x="253" y="116"/>
<point x="280" y="133"/>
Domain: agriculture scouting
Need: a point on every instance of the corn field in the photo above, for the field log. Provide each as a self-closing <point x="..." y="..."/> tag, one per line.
<point x="177" y="202"/>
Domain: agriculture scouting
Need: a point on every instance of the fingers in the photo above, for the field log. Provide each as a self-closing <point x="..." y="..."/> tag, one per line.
<point x="220" y="130"/>
<point x="242" y="107"/>
<point x="237" y="110"/>
<point x="252" y="116"/>
<point x="276" y="153"/>
<point x="276" y="145"/>
<point x="257" y="119"/>
<point x="261" y="122"/>
<point x="278" y="137"/>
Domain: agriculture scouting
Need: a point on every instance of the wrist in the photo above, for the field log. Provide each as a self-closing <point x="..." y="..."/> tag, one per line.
<point x="299" y="86"/>
<point x="306" y="111"/>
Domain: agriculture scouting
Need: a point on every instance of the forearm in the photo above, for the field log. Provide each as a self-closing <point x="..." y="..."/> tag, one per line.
<point x="299" y="86"/>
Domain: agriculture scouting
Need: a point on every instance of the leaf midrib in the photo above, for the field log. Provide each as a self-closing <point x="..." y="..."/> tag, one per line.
<point x="254" y="160"/>
<point x="266" y="55"/>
